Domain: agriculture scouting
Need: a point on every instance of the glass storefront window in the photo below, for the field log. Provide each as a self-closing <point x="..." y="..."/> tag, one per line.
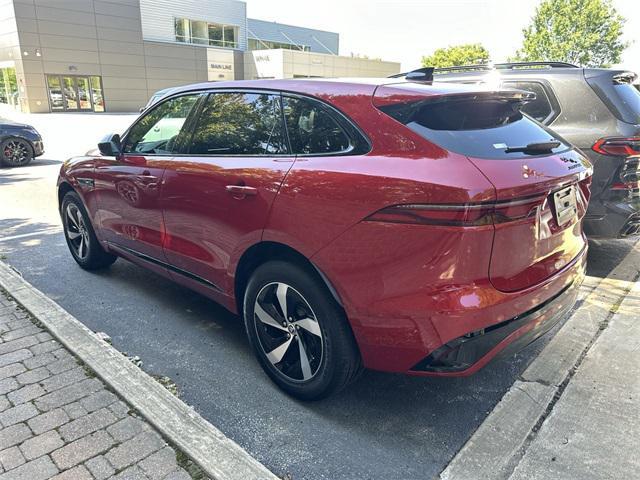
<point x="55" y="93"/>
<point x="8" y="86"/>
<point x="182" y="30"/>
<point x="215" y="35"/>
<point x="84" y="96"/>
<point x="96" y="93"/>
<point x="69" y="93"/>
<point x="199" y="32"/>
<point x="203" y="33"/>
<point x="230" y="36"/>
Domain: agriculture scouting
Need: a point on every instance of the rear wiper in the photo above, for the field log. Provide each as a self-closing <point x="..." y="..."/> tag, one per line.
<point x="539" y="147"/>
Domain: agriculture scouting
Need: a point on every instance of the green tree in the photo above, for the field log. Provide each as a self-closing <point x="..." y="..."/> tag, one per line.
<point x="467" y="54"/>
<point x="583" y="32"/>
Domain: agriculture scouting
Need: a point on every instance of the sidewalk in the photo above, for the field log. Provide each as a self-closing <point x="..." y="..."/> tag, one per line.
<point x="58" y="421"/>
<point x="574" y="413"/>
<point x="205" y="451"/>
<point x="593" y="432"/>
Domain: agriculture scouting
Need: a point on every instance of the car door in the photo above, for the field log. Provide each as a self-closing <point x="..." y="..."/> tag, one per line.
<point x="128" y="186"/>
<point x="216" y="198"/>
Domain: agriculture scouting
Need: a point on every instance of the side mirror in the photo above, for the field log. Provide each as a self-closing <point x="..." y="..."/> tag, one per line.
<point x="110" y="145"/>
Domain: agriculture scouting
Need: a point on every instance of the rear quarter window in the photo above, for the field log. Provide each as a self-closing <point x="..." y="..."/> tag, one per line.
<point x="541" y="108"/>
<point x="314" y="128"/>
<point x="481" y="128"/>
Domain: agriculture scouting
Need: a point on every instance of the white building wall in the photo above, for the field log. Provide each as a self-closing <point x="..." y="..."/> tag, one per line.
<point x="291" y="64"/>
<point x="158" y="17"/>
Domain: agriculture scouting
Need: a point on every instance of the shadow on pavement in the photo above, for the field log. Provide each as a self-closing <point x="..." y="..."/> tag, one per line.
<point x="13" y="178"/>
<point x="605" y="255"/>
<point x="41" y="162"/>
<point x="10" y="227"/>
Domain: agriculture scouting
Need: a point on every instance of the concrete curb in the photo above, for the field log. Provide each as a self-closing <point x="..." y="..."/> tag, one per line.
<point x="217" y="455"/>
<point x="498" y="445"/>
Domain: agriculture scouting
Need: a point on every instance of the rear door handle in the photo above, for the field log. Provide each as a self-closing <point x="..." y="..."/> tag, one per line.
<point x="241" y="191"/>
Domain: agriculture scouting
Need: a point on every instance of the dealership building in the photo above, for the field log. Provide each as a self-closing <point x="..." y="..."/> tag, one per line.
<point x="112" y="55"/>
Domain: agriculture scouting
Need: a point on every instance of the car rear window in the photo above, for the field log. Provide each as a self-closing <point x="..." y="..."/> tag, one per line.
<point x="476" y="127"/>
<point x="619" y="94"/>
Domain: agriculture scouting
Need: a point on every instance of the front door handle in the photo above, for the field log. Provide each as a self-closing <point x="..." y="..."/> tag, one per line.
<point x="241" y="191"/>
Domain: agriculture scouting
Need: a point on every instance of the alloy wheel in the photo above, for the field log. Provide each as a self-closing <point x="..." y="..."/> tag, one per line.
<point x="288" y="332"/>
<point x="76" y="231"/>
<point x="16" y="152"/>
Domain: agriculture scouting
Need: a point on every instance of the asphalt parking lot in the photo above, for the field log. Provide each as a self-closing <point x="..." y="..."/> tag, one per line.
<point x="384" y="426"/>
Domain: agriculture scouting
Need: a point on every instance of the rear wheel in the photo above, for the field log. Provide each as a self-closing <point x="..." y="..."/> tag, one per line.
<point x="15" y="152"/>
<point x="299" y="333"/>
<point x="81" y="239"/>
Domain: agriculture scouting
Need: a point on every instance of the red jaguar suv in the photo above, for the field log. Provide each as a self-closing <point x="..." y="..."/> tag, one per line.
<point x="391" y="224"/>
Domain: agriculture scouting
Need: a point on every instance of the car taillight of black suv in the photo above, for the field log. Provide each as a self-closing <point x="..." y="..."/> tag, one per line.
<point x="595" y="109"/>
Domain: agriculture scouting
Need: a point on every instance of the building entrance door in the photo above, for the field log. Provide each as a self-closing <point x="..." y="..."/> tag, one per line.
<point x="75" y="93"/>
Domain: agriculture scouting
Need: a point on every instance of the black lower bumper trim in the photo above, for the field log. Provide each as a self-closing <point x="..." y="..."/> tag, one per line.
<point x="461" y="353"/>
<point x="632" y="227"/>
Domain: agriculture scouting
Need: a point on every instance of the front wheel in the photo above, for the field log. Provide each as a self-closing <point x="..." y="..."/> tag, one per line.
<point x="298" y="332"/>
<point x="15" y="152"/>
<point x="81" y="239"/>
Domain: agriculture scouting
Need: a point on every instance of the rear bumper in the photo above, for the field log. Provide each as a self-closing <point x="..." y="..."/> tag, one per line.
<point x="616" y="220"/>
<point x="399" y="334"/>
<point x="467" y="354"/>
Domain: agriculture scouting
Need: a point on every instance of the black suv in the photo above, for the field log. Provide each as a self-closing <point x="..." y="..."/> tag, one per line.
<point x="598" y="111"/>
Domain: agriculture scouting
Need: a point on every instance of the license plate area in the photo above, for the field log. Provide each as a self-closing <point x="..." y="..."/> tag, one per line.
<point x="566" y="205"/>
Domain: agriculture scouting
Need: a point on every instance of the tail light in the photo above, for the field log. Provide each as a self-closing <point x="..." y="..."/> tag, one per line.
<point x="460" y="215"/>
<point x="618" y="146"/>
<point x="629" y="173"/>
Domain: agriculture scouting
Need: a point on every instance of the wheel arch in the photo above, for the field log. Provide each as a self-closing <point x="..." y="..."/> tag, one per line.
<point x="265" y="251"/>
<point x="10" y="136"/>
<point x="64" y="188"/>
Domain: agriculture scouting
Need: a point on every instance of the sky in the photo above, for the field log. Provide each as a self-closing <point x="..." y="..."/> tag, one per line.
<point x="405" y="30"/>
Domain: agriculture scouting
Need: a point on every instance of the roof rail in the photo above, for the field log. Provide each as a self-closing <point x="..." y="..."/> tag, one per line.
<point x="423" y="74"/>
<point x="463" y="68"/>
<point x="515" y="65"/>
<point x="502" y="66"/>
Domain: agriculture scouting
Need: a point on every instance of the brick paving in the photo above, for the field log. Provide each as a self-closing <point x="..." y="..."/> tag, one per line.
<point x="57" y="421"/>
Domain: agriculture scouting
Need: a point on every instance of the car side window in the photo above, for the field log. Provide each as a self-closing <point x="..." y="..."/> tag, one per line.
<point x="541" y="108"/>
<point x="162" y="130"/>
<point x="312" y="128"/>
<point x="239" y="124"/>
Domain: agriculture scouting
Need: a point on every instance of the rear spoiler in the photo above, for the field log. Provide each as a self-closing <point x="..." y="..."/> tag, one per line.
<point x="625" y="77"/>
<point x="617" y="76"/>
<point x="406" y="92"/>
<point x="419" y="75"/>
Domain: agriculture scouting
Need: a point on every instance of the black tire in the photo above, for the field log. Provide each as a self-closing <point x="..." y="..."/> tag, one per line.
<point x="306" y="297"/>
<point x="16" y="152"/>
<point x="78" y="231"/>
